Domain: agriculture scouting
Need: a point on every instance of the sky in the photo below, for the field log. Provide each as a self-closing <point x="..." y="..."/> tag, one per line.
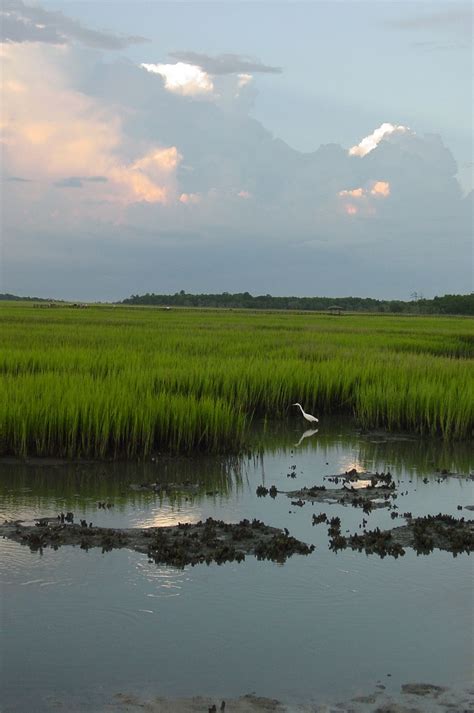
<point x="285" y="148"/>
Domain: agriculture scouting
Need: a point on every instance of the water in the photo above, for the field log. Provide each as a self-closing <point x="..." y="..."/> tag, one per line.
<point x="79" y="627"/>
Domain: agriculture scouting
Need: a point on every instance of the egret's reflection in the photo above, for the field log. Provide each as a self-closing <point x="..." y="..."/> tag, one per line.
<point x="307" y="434"/>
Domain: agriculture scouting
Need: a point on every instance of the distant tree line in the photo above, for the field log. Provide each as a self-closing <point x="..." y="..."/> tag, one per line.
<point x="448" y="304"/>
<point x="14" y="298"/>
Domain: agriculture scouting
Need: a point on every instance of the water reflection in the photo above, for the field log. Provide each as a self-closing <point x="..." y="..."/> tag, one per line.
<point x="45" y="488"/>
<point x="371" y="450"/>
<point x="27" y="489"/>
<point x="307" y="434"/>
<point x="150" y="623"/>
<point x="168" y="517"/>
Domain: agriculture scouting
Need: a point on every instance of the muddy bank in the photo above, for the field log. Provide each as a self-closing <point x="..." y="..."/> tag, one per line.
<point x="365" y="499"/>
<point x="365" y="490"/>
<point x="358" y="489"/>
<point x="412" y="698"/>
<point x="180" y="545"/>
<point x="423" y="534"/>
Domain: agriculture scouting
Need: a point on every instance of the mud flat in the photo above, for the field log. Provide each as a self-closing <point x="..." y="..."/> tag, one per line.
<point x="368" y="498"/>
<point x="412" y="698"/>
<point x="423" y="534"/>
<point x="365" y="490"/>
<point x="180" y="545"/>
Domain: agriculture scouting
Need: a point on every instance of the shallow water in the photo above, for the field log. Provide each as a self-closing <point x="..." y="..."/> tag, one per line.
<point x="79" y="626"/>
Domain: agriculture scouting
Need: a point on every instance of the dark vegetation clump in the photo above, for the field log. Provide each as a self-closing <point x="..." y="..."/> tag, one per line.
<point x="316" y="489"/>
<point x="376" y="542"/>
<point x="181" y="545"/>
<point x="280" y="547"/>
<point x="385" y="478"/>
<point x="337" y="541"/>
<point x="443" y="531"/>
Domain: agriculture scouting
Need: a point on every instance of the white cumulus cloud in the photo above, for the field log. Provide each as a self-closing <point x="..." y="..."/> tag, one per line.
<point x="369" y="143"/>
<point x="182" y="78"/>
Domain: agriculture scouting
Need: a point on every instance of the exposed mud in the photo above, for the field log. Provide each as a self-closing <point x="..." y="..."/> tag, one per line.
<point x="180" y="545"/>
<point x="365" y="490"/>
<point x="413" y="698"/>
<point x="423" y="534"/>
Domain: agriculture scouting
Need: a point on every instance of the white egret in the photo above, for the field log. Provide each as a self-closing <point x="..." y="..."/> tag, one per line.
<point x="308" y="417"/>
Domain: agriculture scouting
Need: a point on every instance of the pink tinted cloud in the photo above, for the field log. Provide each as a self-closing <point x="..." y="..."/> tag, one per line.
<point x="351" y="209"/>
<point x="364" y="197"/>
<point x="190" y="198"/>
<point x="52" y="132"/>
<point x="354" y="193"/>
<point x="381" y="189"/>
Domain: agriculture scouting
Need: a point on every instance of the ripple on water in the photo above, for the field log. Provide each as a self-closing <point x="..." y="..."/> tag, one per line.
<point x="165" y="582"/>
<point x="17" y="562"/>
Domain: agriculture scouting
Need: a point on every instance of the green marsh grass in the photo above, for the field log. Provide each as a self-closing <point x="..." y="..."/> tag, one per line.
<point x="128" y="381"/>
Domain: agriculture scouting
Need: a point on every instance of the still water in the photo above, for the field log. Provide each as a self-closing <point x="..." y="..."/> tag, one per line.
<point x="79" y="627"/>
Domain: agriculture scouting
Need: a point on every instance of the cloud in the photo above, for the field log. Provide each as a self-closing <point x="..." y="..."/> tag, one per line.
<point x="351" y="209"/>
<point x="453" y="27"/>
<point x="71" y="182"/>
<point x="26" y="23"/>
<point x="225" y="63"/>
<point x="380" y="188"/>
<point x="370" y="142"/>
<point x="190" y="198"/>
<point x="231" y="91"/>
<point x="160" y="192"/>
<point x="437" y="46"/>
<point x="54" y="133"/>
<point x="354" y="193"/>
<point x="244" y="79"/>
<point x="17" y="179"/>
<point x="181" y="78"/>
<point x="77" y="181"/>
<point x="458" y="18"/>
<point x="361" y="200"/>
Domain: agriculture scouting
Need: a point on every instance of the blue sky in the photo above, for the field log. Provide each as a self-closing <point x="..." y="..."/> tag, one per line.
<point x="193" y="180"/>
<point x="346" y="66"/>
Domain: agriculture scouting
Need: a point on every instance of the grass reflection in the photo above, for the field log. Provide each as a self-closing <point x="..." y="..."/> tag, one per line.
<point x="188" y="481"/>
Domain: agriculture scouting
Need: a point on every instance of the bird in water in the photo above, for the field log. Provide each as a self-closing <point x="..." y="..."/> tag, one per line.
<point x="307" y="416"/>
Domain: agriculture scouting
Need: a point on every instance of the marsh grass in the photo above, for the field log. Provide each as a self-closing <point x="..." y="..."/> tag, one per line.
<point x="127" y="381"/>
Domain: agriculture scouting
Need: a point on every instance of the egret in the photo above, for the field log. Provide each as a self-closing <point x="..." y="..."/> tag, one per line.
<point x="307" y="416"/>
